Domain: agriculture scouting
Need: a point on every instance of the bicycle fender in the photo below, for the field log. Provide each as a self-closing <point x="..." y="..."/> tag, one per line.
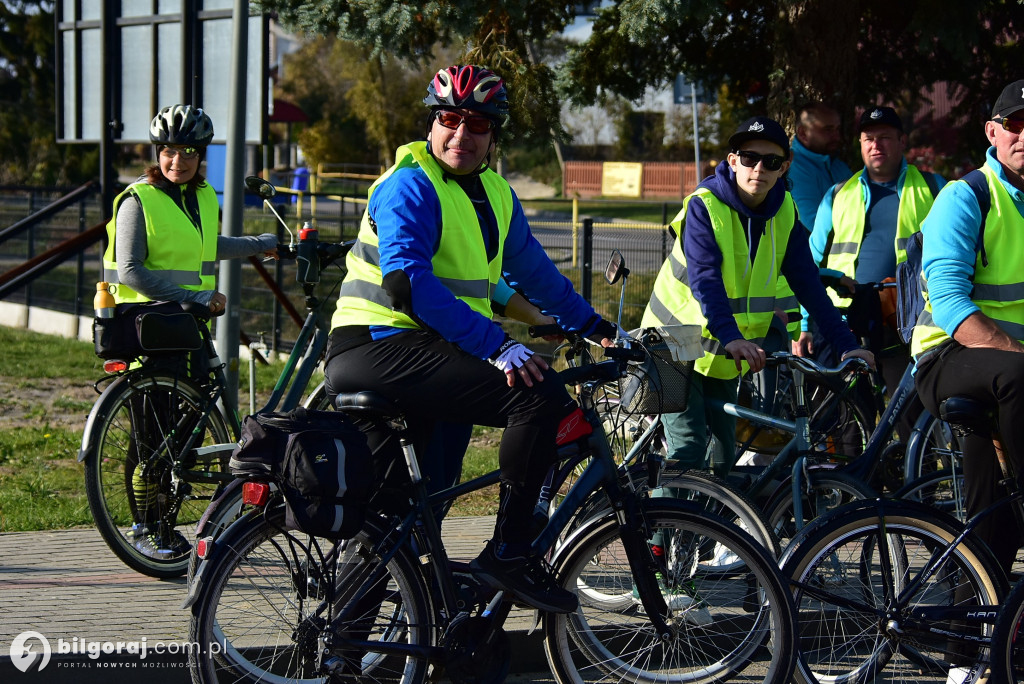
<point x="99" y="410"/>
<point x="220" y="546"/>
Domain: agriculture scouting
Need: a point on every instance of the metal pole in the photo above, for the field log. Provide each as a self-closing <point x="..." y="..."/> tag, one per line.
<point x="234" y="168"/>
<point x="696" y="134"/>
<point x="588" y="259"/>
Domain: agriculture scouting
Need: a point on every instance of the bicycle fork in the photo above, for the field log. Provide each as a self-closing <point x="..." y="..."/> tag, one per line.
<point x="635" y="532"/>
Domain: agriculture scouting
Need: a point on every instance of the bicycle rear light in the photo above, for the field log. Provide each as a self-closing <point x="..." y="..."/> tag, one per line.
<point x="115" y="366"/>
<point x="203" y="547"/>
<point x="255" y="493"/>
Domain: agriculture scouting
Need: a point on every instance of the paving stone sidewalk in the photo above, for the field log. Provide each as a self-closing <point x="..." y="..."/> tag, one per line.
<point x="67" y="583"/>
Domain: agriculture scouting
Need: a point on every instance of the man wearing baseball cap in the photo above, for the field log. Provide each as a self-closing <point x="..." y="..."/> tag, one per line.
<point x="968" y="339"/>
<point x="735" y="235"/>
<point x="861" y="230"/>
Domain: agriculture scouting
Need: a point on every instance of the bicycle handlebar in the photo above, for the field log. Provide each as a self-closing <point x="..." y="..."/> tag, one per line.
<point x="811" y="367"/>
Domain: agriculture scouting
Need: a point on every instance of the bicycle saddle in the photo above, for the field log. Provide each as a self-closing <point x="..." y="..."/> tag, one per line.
<point x="366" y="402"/>
<point x="970" y="414"/>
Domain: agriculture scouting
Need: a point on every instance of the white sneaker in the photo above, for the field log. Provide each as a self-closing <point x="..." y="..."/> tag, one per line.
<point x="693" y="611"/>
<point x="960" y="675"/>
<point x="723" y="558"/>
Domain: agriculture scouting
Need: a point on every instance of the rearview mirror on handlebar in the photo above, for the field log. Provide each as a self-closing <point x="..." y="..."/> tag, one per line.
<point x="259" y="186"/>
<point x="616" y="268"/>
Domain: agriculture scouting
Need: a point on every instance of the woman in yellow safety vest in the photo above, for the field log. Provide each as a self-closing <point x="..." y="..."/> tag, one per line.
<point x="162" y="245"/>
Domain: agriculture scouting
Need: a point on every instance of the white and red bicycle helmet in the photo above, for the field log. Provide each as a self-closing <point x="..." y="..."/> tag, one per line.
<point x="469" y="87"/>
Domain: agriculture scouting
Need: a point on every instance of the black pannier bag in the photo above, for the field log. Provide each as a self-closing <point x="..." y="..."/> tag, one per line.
<point x="145" y="329"/>
<point x="319" y="460"/>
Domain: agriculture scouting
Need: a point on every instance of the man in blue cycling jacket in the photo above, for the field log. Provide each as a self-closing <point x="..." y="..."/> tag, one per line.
<point x="968" y="340"/>
<point x="414" y="313"/>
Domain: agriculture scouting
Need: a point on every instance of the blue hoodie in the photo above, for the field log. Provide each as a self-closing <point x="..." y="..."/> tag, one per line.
<point x="704" y="261"/>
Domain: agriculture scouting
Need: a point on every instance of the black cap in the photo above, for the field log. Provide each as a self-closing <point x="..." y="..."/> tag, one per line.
<point x="880" y="116"/>
<point x="760" y="128"/>
<point x="1011" y="100"/>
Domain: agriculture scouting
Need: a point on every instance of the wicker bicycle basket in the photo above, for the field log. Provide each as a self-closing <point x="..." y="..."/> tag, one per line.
<point x="661" y="383"/>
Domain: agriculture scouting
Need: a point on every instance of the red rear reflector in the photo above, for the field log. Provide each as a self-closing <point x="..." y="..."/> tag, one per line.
<point x="115" y="366"/>
<point x="204" y="546"/>
<point x="255" y="493"/>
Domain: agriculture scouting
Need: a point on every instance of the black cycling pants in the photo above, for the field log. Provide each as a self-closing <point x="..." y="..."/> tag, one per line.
<point x="995" y="378"/>
<point x="433" y="380"/>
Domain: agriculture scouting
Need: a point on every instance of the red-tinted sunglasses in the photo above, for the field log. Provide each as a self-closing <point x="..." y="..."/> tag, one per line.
<point x="475" y="124"/>
<point x="1015" y="126"/>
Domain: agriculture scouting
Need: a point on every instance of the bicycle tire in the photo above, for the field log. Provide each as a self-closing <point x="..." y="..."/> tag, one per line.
<point x="143" y="409"/>
<point x="1007" y="661"/>
<point x="830" y="488"/>
<point x="730" y="624"/>
<point x="850" y="633"/>
<point x="933" y="446"/>
<point x="943" y="490"/>
<point x="269" y="592"/>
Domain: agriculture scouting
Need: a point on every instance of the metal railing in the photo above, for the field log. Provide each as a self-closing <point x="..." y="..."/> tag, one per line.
<point x="579" y="246"/>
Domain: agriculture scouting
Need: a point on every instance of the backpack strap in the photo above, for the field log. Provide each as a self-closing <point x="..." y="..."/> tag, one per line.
<point x="933" y="183"/>
<point x="979" y="184"/>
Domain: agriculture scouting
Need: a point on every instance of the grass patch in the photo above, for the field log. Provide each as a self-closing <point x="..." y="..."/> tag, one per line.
<point x="41" y="483"/>
<point x="45" y="398"/>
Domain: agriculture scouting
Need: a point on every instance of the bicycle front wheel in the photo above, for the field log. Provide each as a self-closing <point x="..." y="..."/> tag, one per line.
<point x="739" y="625"/>
<point x="272" y="598"/>
<point x="145" y="495"/>
<point x="1008" y="640"/>
<point x="868" y="611"/>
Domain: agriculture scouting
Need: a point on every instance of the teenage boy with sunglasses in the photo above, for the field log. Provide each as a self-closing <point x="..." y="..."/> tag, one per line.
<point x="735" y="235"/>
<point x="413" y="320"/>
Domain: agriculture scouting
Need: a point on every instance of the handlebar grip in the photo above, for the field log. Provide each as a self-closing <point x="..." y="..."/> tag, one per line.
<point x="545" y="330"/>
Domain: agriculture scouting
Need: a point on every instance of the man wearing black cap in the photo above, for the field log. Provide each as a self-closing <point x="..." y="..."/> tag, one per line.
<point x="735" y="235"/>
<point x="862" y="227"/>
<point x="968" y="339"/>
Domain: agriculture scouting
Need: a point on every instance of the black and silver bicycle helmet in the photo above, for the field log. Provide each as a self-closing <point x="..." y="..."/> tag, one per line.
<point x="181" y="125"/>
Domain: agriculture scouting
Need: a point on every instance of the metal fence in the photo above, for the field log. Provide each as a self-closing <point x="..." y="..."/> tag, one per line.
<point x="580" y="248"/>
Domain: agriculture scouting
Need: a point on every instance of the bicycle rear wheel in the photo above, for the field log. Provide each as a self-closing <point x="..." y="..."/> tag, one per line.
<point x="861" y="616"/>
<point x="144" y="498"/>
<point x="942" y="489"/>
<point x="269" y="595"/>
<point x="739" y="625"/>
<point x="933" y="447"/>
<point x="829" y="489"/>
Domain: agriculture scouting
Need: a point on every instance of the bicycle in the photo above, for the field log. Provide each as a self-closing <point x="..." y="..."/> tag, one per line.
<point x="916" y="590"/>
<point x="390" y="605"/>
<point x="157" y="441"/>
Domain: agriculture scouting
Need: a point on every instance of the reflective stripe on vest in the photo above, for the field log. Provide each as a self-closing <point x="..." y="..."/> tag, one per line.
<point x="848" y="210"/>
<point x="751" y="288"/>
<point x="786" y="300"/>
<point x="460" y="263"/>
<point x="177" y="251"/>
<point x="998" y="289"/>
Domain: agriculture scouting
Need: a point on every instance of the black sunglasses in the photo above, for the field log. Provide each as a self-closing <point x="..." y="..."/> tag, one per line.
<point x="772" y="162"/>
<point x="1015" y="126"/>
<point x="475" y="124"/>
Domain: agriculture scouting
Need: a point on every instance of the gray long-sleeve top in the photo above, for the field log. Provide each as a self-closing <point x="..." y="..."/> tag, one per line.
<point x="131" y="251"/>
